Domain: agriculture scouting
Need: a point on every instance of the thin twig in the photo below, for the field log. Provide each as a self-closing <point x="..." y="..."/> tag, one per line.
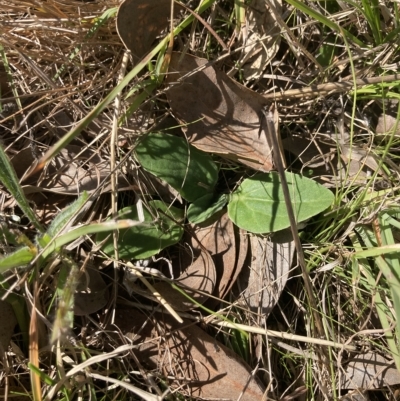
<point x="331" y="87"/>
<point x="271" y="132"/>
<point x="114" y="177"/>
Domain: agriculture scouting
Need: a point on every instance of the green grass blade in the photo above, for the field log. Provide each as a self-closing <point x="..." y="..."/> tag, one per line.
<point x="98" y="22"/>
<point x="67" y="282"/>
<point x="95" y="228"/>
<point x="19" y="258"/>
<point x="324" y="20"/>
<point x="370" y="8"/>
<point x="43" y="377"/>
<point x="66" y="139"/>
<point x="63" y="217"/>
<point x="9" y="179"/>
<point x="383" y="310"/>
<point x="377" y="251"/>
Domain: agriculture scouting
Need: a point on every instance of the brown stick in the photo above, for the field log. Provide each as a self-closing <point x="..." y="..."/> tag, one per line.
<point x="332" y="87"/>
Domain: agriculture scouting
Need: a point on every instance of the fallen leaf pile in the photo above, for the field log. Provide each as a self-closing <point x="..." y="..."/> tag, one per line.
<point x="221" y="117"/>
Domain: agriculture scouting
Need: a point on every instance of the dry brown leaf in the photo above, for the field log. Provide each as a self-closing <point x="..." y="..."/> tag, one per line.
<point x="139" y="22"/>
<point x="242" y="249"/>
<point x="219" y="115"/>
<point x="201" y="365"/>
<point x="388" y="124"/>
<point x="370" y="371"/>
<point x="8" y="323"/>
<point x="218" y="237"/>
<point x="197" y="277"/>
<point x="70" y="173"/>
<point x="263" y="282"/>
<point x="388" y="121"/>
<point x="263" y="39"/>
<point x="309" y="154"/>
<point x="91" y="294"/>
<point x="353" y="164"/>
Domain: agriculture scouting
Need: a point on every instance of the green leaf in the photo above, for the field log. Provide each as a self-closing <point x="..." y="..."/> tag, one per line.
<point x="54" y="244"/>
<point x="206" y="206"/>
<point x="6" y="235"/>
<point x="329" y="22"/>
<point x="258" y="205"/>
<point x="19" y="258"/>
<point x="190" y="171"/>
<point x="67" y="282"/>
<point x="63" y="217"/>
<point x="10" y="180"/>
<point x="145" y="240"/>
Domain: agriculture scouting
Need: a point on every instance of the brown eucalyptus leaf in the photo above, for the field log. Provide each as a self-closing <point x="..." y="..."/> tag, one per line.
<point x="263" y="40"/>
<point x="217" y="235"/>
<point x="353" y="163"/>
<point x="8" y="322"/>
<point x="219" y="239"/>
<point x="22" y="161"/>
<point x="263" y="282"/>
<point x="312" y="154"/>
<point x="71" y="172"/>
<point x="219" y="115"/>
<point x="197" y="278"/>
<point x="202" y="367"/>
<point x="370" y="371"/>
<point x="139" y="22"/>
<point x="91" y="294"/>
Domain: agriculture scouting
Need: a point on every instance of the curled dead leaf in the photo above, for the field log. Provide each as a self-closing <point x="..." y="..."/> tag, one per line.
<point x="70" y="173"/>
<point x="91" y="294"/>
<point x="324" y="161"/>
<point x="219" y="115"/>
<point x="217" y="235"/>
<point x="197" y="278"/>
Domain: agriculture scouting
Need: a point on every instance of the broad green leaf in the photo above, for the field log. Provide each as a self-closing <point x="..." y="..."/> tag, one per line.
<point x="206" y="206"/>
<point x="144" y="240"/>
<point x="19" y="258"/>
<point x="258" y="205"/>
<point x="190" y="171"/>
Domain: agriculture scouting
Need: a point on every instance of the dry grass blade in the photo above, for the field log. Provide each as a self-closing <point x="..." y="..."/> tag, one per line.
<point x="83" y="83"/>
<point x="34" y="350"/>
<point x="329" y="88"/>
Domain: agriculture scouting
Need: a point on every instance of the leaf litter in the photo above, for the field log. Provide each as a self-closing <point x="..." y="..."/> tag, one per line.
<point x="217" y="114"/>
<point x="261" y="38"/>
<point x="221" y="117"/>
